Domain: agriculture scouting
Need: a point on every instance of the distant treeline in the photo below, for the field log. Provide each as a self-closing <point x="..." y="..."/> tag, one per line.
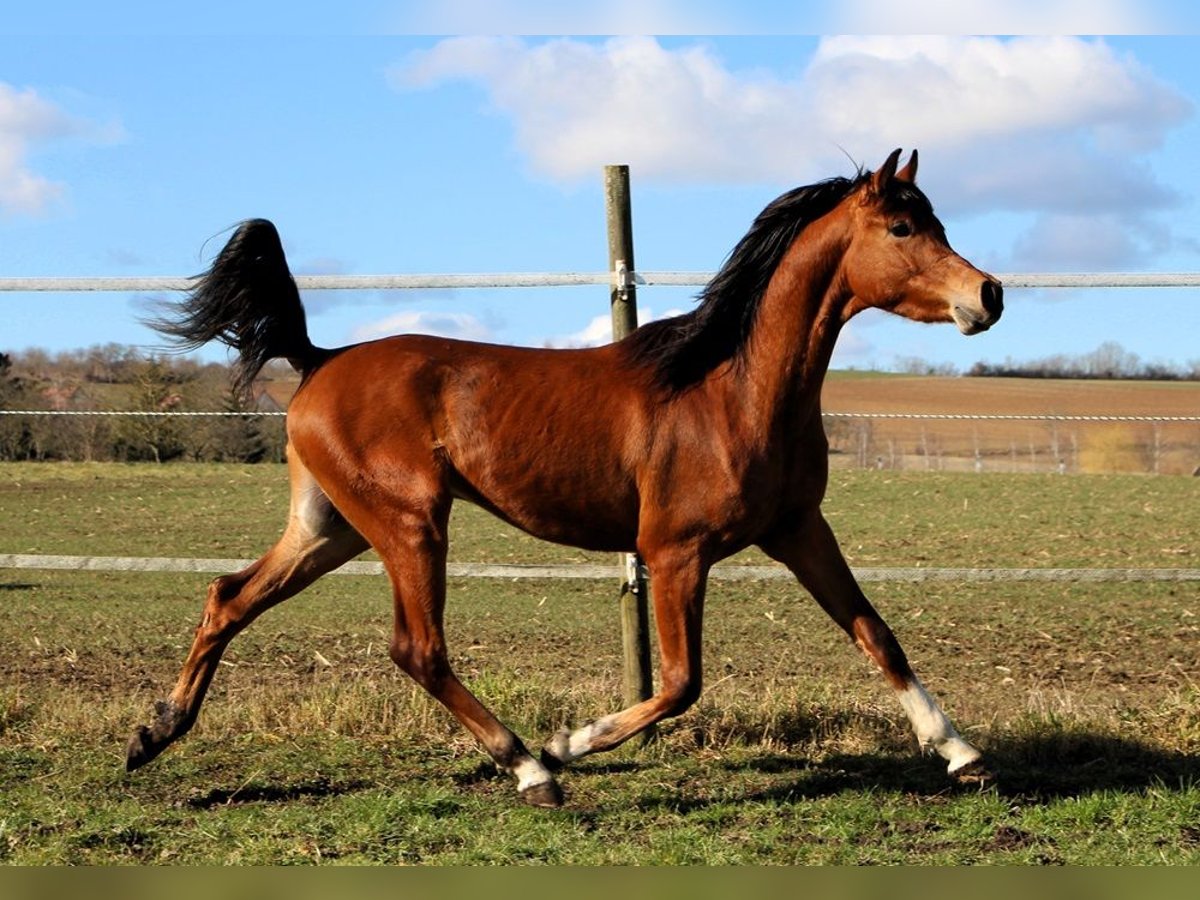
<point x="1109" y="361"/>
<point x="115" y="377"/>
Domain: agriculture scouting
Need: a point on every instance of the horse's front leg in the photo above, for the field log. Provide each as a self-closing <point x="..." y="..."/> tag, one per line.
<point x="810" y="550"/>
<point x="678" y="594"/>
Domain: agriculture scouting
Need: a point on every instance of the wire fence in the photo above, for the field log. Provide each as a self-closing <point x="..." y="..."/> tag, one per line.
<point x="146" y="413"/>
<point x="946" y="417"/>
<point x="158" y="283"/>
<point x="155" y="283"/>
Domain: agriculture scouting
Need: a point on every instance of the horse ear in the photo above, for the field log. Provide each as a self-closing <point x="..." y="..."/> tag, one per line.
<point x="881" y="179"/>
<point x="909" y="172"/>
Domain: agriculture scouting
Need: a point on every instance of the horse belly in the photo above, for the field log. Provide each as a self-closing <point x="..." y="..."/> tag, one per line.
<point x="585" y="503"/>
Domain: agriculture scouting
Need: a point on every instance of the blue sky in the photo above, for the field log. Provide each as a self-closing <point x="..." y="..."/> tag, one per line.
<point x="123" y="153"/>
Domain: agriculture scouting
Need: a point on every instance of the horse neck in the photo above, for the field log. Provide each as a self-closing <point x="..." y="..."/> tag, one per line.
<point x="796" y="327"/>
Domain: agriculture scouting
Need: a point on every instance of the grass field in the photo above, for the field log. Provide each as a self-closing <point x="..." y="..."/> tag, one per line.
<point x="312" y="748"/>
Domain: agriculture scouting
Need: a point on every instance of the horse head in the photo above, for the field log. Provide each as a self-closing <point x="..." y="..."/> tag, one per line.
<point x="899" y="259"/>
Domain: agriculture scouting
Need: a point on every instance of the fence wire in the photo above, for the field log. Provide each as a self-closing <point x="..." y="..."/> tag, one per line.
<point x="972" y="417"/>
<point x="154" y="283"/>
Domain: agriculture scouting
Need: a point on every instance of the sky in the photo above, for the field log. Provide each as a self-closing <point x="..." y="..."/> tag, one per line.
<point x="130" y="144"/>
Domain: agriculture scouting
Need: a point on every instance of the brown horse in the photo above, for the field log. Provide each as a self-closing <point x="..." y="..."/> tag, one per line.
<point x="690" y="440"/>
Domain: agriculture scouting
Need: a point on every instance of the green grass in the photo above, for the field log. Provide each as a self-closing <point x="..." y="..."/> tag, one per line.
<point x="312" y="748"/>
<point x="881" y="518"/>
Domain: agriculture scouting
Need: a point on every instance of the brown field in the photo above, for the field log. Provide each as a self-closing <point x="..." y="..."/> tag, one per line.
<point x="1012" y="446"/>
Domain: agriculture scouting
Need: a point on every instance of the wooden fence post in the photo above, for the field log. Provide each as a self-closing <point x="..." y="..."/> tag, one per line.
<point x="635" y="616"/>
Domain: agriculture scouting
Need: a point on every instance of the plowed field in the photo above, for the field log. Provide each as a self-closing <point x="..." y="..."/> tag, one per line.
<point x="1038" y="444"/>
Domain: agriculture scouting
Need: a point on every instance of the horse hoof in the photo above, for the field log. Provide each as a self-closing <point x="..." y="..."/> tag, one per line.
<point x="148" y="742"/>
<point x="141" y="749"/>
<point x="974" y="772"/>
<point x="547" y="795"/>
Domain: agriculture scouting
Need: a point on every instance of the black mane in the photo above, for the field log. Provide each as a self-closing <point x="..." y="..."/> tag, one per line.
<point x="683" y="349"/>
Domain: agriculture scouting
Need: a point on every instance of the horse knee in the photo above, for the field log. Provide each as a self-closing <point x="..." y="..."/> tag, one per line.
<point x="224" y="588"/>
<point x="426" y="668"/>
<point x="221" y="592"/>
<point x="680" y="693"/>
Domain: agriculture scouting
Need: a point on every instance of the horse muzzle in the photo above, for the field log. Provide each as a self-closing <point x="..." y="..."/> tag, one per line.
<point x="981" y="313"/>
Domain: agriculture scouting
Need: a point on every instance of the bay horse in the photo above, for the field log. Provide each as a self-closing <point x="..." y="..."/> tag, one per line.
<point x="691" y="439"/>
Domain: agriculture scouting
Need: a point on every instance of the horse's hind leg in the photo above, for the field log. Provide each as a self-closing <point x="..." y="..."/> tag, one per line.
<point x="317" y="540"/>
<point x="812" y="553"/>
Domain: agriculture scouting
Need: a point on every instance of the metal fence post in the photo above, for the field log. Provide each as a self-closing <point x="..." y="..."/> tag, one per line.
<point x="635" y="616"/>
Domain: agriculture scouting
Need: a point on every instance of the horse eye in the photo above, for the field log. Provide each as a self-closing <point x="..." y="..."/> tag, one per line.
<point x="900" y="229"/>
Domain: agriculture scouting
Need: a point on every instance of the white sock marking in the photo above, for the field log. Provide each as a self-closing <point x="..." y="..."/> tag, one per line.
<point x="933" y="728"/>
<point x="569" y="746"/>
<point x="530" y="773"/>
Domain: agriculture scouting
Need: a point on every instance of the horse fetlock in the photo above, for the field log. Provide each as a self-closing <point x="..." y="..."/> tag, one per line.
<point x="147" y="742"/>
<point x="963" y="762"/>
<point x="567" y="746"/>
<point x="557" y="751"/>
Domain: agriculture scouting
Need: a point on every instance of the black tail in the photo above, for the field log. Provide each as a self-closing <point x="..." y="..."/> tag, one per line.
<point x="248" y="301"/>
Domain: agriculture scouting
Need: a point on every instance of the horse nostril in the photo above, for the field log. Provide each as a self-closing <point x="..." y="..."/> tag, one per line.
<point x="991" y="294"/>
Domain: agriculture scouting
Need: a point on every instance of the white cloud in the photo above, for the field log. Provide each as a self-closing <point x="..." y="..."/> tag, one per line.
<point x="691" y="17"/>
<point x="443" y="324"/>
<point x="26" y="121"/>
<point x="576" y="106"/>
<point x="599" y="330"/>
<point x="594" y="333"/>
<point x="1088" y="243"/>
<point x="1031" y="123"/>
<point x="853" y="350"/>
<point x="990" y="17"/>
<point x="956" y="91"/>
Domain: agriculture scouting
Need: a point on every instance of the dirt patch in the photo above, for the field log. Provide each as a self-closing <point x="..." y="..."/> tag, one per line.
<point x="1009" y="838"/>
